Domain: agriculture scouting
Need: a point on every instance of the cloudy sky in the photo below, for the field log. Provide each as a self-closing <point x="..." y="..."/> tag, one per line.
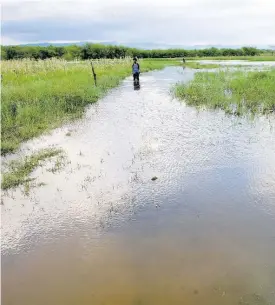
<point x="186" y="22"/>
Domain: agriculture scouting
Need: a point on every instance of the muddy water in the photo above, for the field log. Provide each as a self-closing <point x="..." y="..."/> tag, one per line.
<point x="102" y="232"/>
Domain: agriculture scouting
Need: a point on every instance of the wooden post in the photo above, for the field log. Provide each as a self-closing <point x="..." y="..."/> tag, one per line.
<point x="94" y="74"/>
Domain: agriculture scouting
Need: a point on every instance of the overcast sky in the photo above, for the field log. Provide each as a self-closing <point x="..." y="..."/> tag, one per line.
<point x="186" y="22"/>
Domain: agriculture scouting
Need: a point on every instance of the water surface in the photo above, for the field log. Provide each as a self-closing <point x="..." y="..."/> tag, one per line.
<point x="102" y="232"/>
<point x="255" y="64"/>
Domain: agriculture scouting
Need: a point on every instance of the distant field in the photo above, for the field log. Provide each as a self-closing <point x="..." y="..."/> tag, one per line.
<point x="249" y="58"/>
<point x="40" y="95"/>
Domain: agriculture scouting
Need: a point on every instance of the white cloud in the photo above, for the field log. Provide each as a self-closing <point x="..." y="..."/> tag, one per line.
<point x="173" y="21"/>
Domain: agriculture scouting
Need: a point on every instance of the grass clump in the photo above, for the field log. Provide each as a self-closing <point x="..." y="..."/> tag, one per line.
<point x="19" y="170"/>
<point x="59" y="164"/>
<point x="239" y="92"/>
<point x="40" y="95"/>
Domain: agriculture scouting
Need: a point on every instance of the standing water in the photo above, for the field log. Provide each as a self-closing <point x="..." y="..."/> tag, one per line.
<point x="101" y="231"/>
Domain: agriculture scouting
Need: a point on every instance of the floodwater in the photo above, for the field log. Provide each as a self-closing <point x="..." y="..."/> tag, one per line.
<point x="255" y="64"/>
<point x="101" y="232"/>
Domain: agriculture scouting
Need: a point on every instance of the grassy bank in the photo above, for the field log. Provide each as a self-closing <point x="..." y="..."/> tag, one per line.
<point x="249" y="58"/>
<point x="236" y="92"/>
<point x="40" y="95"/>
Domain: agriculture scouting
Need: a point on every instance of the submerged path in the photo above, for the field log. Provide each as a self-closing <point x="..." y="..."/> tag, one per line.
<point x="100" y="231"/>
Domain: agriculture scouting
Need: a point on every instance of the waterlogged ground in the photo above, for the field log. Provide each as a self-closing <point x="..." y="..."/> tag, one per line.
<point x="255" y="64"/>
<point x="102" y="232"/>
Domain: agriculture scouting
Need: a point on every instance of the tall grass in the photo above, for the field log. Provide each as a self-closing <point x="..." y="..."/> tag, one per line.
<point x="238" y="92"/>
<point x="40" y="95"/>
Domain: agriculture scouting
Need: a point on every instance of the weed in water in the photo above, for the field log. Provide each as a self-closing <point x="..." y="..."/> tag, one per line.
<point x="19" y="170"/>
<point x="59" y="164"/>
<point x="27" y="188"/>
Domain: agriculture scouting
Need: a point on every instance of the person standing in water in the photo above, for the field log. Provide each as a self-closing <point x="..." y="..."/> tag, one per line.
<point x="135" y="70"/>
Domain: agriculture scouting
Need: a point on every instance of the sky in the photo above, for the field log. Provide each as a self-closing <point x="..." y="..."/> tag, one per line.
<point x="180" y="22"/>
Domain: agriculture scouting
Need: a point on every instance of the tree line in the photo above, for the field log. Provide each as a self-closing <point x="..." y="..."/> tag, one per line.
<point x="95" y="51"/>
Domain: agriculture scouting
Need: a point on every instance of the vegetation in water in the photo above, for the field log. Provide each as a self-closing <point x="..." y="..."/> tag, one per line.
<point x="236" y="92"/>
<point x="40" y="95"/>
<point x="18" y="171"/>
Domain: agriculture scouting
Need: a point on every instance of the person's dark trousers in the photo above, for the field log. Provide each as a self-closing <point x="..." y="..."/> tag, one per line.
<point x="136" y="76"/>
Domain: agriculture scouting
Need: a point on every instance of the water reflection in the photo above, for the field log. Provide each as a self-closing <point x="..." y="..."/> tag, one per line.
<point x="136" y="85"/>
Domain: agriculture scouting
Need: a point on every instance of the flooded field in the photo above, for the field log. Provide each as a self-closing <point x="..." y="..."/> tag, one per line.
<point x="244" y="63"/>
<point x="101" y="231"/>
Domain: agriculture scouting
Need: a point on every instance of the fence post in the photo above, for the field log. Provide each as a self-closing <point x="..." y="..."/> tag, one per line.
<point x="94" y="74"/>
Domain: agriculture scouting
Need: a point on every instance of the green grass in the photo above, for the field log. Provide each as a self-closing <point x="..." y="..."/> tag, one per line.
<point x="196" y="65"/>
<point x="158" y="63"/>
<point x="59" y="164"/>
<point x="19" y="171"/>
<point x="249" y="58"/>
<point x="39" y="96"/>
<point x="238" y="92"/>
